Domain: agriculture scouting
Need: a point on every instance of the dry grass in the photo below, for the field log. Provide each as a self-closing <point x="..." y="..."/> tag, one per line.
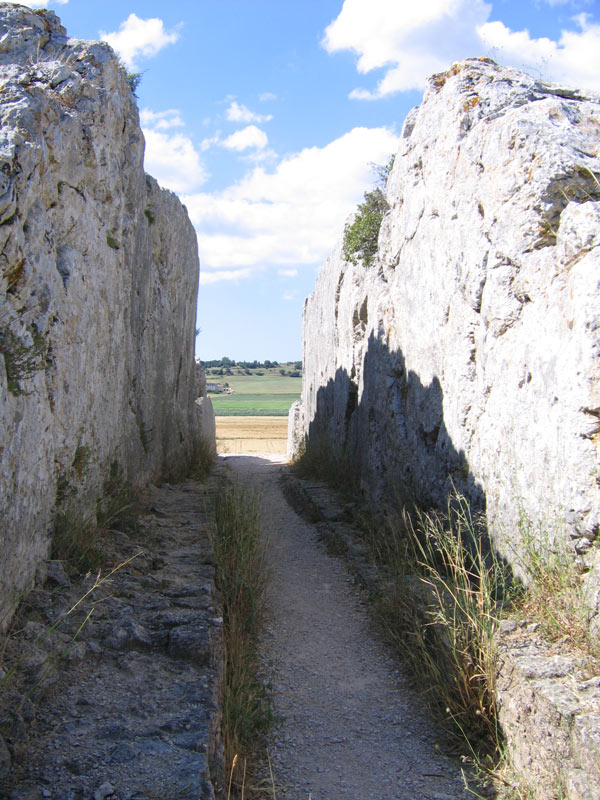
<point x="441" y="596"/>
<point x="241" y="575"/>
<point x="251" y="435"/>
<point x="202" y="460"/>
<point x="556" y="592"/>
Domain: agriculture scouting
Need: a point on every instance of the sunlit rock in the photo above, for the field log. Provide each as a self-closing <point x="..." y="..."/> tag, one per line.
<point x="98" y="283"/>
<point x="466" y="357"/>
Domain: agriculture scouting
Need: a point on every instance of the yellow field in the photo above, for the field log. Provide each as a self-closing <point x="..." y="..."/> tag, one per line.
<point x="251" y="434"/>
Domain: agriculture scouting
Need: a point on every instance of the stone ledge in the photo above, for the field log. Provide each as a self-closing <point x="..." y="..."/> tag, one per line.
<point x="550" y="716"/>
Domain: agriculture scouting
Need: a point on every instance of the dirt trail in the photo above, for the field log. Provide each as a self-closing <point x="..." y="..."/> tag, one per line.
<point x="351" y="728"/>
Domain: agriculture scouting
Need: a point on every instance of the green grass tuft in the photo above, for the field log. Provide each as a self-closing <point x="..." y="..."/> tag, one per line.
<point x="338" y="469"/>
<point x="77" y="534"/>
<point x="552" y="572"/>
<point x="76" y="539"/>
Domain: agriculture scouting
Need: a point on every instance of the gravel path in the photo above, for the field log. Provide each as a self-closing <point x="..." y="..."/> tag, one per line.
<point x="351" y="728"/>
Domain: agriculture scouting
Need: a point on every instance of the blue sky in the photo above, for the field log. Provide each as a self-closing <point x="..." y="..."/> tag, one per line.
<point x="265" y="116"/>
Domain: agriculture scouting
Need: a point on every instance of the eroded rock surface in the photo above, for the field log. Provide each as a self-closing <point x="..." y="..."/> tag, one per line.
<point x="111" y="687"/>
<point x="98" y="283"/>
<point x="467" y="355"/>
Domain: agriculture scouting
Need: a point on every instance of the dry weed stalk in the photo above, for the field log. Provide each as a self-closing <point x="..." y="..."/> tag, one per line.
<point x="52" y="660"/>
<point x="439" y="606"/>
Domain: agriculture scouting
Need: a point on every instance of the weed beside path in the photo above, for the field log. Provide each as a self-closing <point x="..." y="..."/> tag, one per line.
<point x="241" y="575"/>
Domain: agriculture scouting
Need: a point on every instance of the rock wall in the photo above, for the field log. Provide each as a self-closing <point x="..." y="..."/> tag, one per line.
<point x="467" y="354"/>
<point x="98" y="283"/>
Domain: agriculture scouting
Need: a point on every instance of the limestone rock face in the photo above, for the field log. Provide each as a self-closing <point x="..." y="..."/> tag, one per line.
<point x="467" y="354"/>
<point x="98" y="283"/>
<point x="295" y="430"/>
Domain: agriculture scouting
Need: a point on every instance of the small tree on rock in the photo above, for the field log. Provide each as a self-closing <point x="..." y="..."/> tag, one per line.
<point x="361" y="235"/>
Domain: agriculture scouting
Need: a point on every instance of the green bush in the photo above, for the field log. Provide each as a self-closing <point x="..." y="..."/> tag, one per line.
<point x="361" y="235"/>
<point x="134" y="79"/>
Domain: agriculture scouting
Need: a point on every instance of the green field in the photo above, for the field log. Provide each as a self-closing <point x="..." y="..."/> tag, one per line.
<point x="269" y="383"/>
<point x="253" y="405"/>
<point x="254" y="395"/>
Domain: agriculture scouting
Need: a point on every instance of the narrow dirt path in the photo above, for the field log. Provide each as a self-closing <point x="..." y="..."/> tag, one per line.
<point x="351" y="729"/>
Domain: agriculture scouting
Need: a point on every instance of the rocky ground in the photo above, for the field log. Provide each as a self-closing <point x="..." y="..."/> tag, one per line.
<point x="125" y="705"/>
<point x="127" y="708"/>
<point x="350" y="725"/>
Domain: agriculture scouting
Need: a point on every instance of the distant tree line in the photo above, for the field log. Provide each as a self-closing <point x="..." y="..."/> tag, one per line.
<point x="227" y="363"/>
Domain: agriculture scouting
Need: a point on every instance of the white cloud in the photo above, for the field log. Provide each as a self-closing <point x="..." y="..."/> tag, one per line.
<point x="209" y="141"/>
<point x="412" y="41"/>
<point x="291" y="215"/>
<point x="575" y="3"/>
<point x="288" y="273"/>
<point x="266" y="97"/>
<point x="261" y="156"/>
<point x="161" y="120"/>
<point x="171" y="157"/>
<point x="224" y="275"/>
<point x="240" y="113"/>
<point x="574" y="59"/>
<point x="138" y="37"/>
<point x="250" y="136"/>
<point x="288" y="296"/>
